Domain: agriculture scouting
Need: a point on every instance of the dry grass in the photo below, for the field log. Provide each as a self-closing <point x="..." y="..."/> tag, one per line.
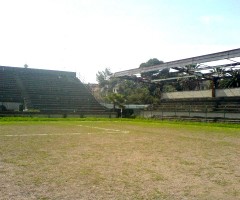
<point x="118" y="160"/>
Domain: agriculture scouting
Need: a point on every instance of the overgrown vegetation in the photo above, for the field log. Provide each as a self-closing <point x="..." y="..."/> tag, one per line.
<point x="141" y="90"/>
<point x="146" y="88"/>
<point x="132" y="89"/>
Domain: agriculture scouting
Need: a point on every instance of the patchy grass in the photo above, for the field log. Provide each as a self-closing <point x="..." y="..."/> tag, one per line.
<point x="118" y="159"/>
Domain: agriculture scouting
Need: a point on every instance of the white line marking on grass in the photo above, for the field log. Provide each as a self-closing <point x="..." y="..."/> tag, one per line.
<point x="43" y="134"/>
<point x="106" y="129"/>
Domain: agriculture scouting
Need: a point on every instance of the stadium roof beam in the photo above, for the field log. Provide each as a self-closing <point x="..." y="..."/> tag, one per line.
<point x="183" y="62"/>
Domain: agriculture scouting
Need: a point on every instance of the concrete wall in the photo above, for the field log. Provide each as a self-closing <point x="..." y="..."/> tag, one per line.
<point x="232" y="92"/>
<point x="187" y="94"/>
<point x="202" y="94"/>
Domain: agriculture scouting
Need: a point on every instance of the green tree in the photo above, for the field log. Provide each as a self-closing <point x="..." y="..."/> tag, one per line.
<point x="106" y="83"/>
<point x="149" y="63"/>
<point x="132" y="90"/>
<point x="102" y="77"/>
<point x="116" y="100"/>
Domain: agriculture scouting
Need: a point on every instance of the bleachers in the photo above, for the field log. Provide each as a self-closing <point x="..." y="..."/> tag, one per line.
<point x="47" y="90"/>
<point x="9" y="90"/>
<point x="227" y="104"/>
<point x="224" y="109"/>
<point x="230" y="104"/>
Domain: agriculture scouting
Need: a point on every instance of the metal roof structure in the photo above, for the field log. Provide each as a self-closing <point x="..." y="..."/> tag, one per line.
<point x="224" y="55"/>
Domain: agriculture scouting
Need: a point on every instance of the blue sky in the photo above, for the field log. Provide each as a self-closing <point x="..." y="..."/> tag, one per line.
<point x="87" y="36"/>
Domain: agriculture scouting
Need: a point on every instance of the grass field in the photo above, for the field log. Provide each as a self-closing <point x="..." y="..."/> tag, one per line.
<point x="118" y="160"/>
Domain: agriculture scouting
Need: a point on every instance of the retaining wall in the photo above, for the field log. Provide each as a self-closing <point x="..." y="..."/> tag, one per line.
<point x="232" y="92"/>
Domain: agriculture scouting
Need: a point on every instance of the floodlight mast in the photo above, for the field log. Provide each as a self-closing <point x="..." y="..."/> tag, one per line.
<point x="183" y="62"/>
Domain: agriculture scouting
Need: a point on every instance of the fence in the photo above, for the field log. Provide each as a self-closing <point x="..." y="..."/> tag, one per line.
<point x="208" y="114"/>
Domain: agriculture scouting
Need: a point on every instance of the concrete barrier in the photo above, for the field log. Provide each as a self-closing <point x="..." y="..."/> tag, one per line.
<point x="232" y="92"/>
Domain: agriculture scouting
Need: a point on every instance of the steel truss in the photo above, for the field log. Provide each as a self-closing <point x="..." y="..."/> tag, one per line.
<point x="183" y="63"/>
